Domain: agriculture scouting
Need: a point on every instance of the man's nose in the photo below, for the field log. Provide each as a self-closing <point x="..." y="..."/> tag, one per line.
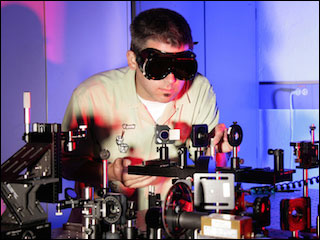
<point x="170" y="78"/>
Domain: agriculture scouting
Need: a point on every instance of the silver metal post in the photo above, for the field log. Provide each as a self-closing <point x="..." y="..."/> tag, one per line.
<point x="105" y="173"/>
<point x="234" y="158"/>
<point x="113" y="228"/>
<point x="159" y="233"/>
<point x="87" y="196"/>
<point x="27" y="106"/>
<point x="104" y="155"/>
<point x="212" y="149"/>
<point x="195" y="234"/>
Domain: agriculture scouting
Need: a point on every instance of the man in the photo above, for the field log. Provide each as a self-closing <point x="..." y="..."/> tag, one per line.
<point x="122" y="107"/>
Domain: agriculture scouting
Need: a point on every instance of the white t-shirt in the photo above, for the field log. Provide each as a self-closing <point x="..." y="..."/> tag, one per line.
<point x="155" y="108"/>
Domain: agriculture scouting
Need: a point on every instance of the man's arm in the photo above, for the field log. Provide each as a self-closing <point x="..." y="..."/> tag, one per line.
<point x="86" y="170"/>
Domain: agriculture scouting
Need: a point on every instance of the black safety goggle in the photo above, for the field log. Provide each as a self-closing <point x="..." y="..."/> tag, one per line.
<point x="156" y="65"/>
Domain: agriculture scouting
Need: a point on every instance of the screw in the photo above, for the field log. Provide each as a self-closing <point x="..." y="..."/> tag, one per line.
<point x="304" y="92"/>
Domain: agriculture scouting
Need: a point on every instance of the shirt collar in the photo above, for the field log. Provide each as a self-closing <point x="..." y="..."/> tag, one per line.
<point x="133" y="100"/>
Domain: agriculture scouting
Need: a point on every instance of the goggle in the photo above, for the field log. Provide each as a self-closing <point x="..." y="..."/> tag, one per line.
<point x="156" y="65"/>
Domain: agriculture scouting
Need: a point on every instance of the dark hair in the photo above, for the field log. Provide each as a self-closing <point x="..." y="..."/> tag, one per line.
<point x="159" y="24"/>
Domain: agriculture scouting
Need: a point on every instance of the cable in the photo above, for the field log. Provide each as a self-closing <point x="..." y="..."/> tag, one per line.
<point x="296" y="92"/>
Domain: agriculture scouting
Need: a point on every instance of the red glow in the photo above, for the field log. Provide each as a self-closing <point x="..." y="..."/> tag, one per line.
<point x="135" y="161"/>
<point x="185" y="130"/>
<point x="186" y="206"/>
<point x="55" y="30"/>
<point x="263" y="208"/>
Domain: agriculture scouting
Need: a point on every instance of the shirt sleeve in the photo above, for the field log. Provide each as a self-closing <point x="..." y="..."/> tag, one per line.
<point x="206" y="110"/>
<point x="71" y="115"/>
<point x="73" y="118"/>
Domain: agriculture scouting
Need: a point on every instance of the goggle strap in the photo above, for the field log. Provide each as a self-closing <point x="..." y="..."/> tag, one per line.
<point x="144" y="67"/>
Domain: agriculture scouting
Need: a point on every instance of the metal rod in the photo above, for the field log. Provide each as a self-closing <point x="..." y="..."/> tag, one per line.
<point x="235" y="153"/>
<point x="113" y="228"/>
<point x="235" y="158"/>
<point x="212" y="149"/>
<point x="305" y="182"/>
<point x="27" y="106"/>
<point x="87" y="196"/>
<point x="105" y="173"/>
<point x="195" y="234"/>
<point x="159" y="233"/>
<point x="312" y="127"/>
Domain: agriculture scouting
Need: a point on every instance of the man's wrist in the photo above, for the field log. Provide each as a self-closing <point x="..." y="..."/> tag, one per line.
<point x="110" y="173"/>
<point x="114" y="186"/>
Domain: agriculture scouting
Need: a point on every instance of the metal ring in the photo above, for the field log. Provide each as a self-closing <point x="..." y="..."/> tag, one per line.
<point x="235" y="135"/>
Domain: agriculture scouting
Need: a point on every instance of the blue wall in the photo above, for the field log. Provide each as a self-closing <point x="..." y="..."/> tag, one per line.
<point x="287" y="60"/>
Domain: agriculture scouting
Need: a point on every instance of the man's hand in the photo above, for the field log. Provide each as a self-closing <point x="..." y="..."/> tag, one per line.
<point x="220" y="139"/>
<point x="117" y="171"/>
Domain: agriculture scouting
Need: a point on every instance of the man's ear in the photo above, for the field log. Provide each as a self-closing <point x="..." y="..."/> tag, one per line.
<point x="131" y="58"/>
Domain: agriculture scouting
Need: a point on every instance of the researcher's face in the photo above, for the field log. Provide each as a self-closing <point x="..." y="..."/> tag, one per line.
<point x="164" y="90"/>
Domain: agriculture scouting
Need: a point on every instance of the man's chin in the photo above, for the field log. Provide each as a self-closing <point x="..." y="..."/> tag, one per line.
<point x="165" y="99"/>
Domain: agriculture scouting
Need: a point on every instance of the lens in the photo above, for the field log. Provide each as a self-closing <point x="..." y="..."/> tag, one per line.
<point x="164" y="135"/>
<point x="157" y="68"/>
<point x="185" y="69"/>
<point x="156" y="65"/>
